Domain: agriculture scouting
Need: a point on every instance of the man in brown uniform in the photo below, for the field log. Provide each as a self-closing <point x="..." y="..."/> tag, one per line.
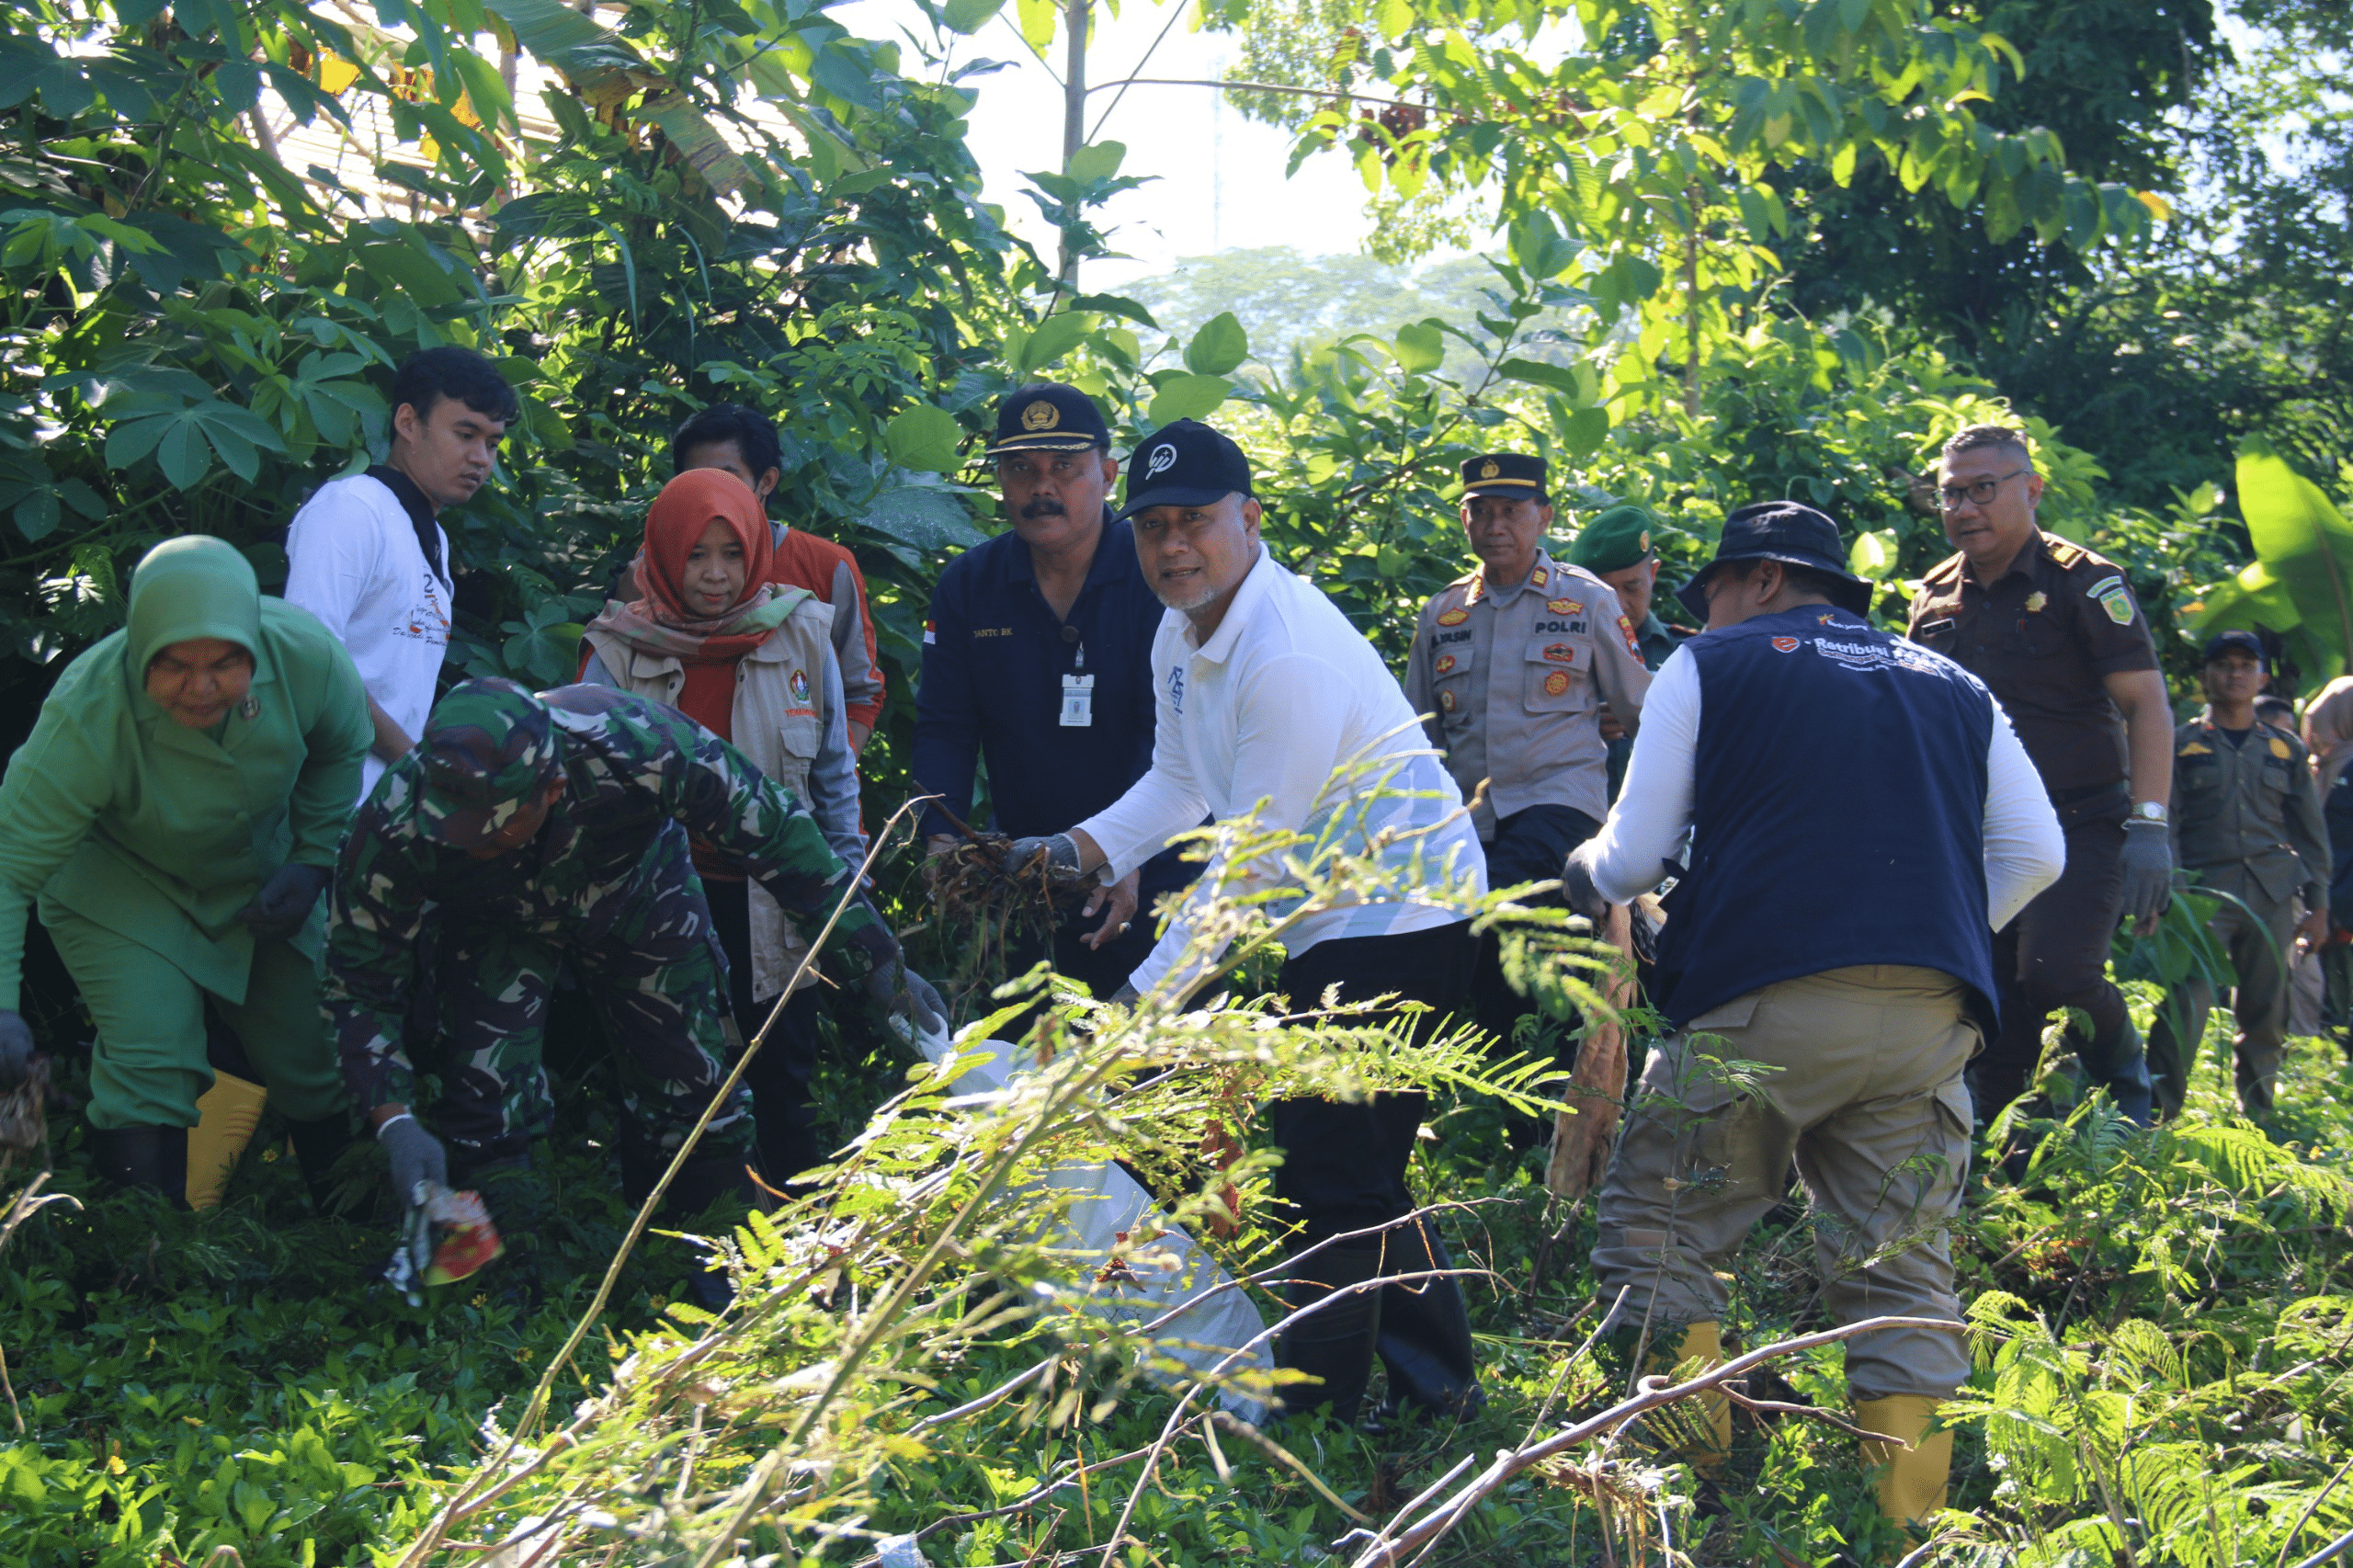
<point x="2247" y="818"/>
<point x="2053" y="628"/>
<point x="1509" y="667"/>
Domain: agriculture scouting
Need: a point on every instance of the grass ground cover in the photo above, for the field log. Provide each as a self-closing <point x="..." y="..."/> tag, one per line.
<point x="2161" y="1323"/>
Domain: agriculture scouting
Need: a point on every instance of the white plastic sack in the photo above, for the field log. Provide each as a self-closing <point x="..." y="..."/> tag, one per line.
<point x="1163" y="1266"/>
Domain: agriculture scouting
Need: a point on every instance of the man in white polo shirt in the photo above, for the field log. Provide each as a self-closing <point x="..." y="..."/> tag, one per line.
<point x="367" y="556"/>
<point x="1270" y="702"/>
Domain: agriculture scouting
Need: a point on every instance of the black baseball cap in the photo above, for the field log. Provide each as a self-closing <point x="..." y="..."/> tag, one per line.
<point x="1185" y="463"/>
<point x="1512" y="474"/>
<point x="2245" y="642"/>
<point x="1047" y="417"/>
<point x="1791" y="533"/>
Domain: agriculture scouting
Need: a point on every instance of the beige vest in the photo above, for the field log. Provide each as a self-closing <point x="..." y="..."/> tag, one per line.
<point x="778" y="722"/>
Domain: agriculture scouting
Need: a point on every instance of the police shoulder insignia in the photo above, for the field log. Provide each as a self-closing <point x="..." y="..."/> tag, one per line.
<point x="1626" y="630"/>
<point x="2279" y="748"/>
<point x="2063" y="553"/>
<point x="1540" y="578"/>
<point x="1785" y="644"/>
<point x="1454" y="617"/>
<point x="1565" y="607"/>
<point x="1556" y="682"/>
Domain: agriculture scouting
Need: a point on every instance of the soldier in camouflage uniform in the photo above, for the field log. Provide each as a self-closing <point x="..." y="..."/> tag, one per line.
<point x="524" y="832"/>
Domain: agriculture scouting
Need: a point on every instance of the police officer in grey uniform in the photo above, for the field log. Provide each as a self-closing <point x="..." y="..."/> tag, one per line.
<point x="2247" y="819"/>
<point x="1509" y="667"/>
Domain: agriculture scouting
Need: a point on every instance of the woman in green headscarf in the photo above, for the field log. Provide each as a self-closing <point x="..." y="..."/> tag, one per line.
<point x="176" y="813"/>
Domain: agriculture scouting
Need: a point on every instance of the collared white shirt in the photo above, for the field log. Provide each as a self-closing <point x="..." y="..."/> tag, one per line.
<point x="1260" y="718"/>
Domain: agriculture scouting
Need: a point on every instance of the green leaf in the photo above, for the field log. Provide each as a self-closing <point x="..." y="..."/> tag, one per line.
<point x="36" y="515"/>
<point x="1583" y="432"/>
<point x="1186" y="397"/>
<point x="1420" y="347"/>
<point x="1217" y="348"/>
<point x="1037" y="18"/>
<point x="969" y="17"/>
<point x="2302" y="540"/>
<point x="924" y="439"/>
<point x="1052" y="338"/>
<point x="1097" y="161"/>
<point x="1559" y="378"/>
<point x="920" y="516"/>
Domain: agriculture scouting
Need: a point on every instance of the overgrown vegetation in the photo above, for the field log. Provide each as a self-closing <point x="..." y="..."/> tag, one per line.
<point x="738" y="198"/>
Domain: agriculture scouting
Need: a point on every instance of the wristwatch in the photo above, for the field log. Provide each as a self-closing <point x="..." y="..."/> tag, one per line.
<point x="2149" y="811"/>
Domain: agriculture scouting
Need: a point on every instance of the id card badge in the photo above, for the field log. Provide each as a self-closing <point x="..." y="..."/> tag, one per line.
<point x="1078" y="702"/>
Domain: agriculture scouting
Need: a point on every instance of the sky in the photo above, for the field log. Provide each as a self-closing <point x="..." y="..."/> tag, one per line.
<point x="1220" y="180"/>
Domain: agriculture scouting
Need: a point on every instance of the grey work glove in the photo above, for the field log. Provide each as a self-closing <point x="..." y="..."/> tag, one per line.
<point x="1060" y="849"/>
<point x="16" y="1050"/>
<point x="1577" y="885"/>
<point x="897" y="989"/>
<point x="416" y="1156"/>
<point x="285" y="901"/>
<point x="2148" y="869"/>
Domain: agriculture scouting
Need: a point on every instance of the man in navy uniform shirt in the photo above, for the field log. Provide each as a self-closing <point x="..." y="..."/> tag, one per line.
<point x="1037" y="658"/>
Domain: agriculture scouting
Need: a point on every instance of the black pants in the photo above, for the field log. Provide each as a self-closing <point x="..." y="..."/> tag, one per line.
<point x="1344" y="1165"/>
<point x="2056" y="955"/>
<point x="1528" y="847"/>
<point x="784" y="1106"/>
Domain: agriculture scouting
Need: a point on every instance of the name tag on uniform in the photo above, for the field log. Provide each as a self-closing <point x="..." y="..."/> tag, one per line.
<point x="1078" y="702"/>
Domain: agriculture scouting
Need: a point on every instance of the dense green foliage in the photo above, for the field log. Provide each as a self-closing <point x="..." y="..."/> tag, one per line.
<point x="1709" y="287"/>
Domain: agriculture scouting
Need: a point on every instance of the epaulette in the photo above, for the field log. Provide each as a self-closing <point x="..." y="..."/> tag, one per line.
<point x="1945" y="571"/>
<point x="2066" y="554"/>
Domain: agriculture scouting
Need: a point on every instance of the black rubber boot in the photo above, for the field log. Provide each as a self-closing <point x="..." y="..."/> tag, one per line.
<point x="1425" y="1340"/>
<point x="151" y="1157"/>
<point x="705" y="1181"/>
<point x="1335" y="1345"/>
<point x="317" y="1146"/>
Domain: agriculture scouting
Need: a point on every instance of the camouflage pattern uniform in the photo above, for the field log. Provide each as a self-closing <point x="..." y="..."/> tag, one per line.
<point x="606" y="882"/>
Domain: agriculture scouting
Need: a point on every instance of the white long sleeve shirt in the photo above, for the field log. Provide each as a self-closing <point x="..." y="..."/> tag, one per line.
<point x="353" y="560"/>
<point x="2024" y="848"/>
<point x="1287" y="711"/>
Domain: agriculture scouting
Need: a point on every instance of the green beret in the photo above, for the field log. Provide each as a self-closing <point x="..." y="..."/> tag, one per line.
<point x="1614" y="540"/>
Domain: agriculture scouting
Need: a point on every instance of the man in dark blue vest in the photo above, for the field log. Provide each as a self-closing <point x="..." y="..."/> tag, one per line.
<point x="1861" y="819"/>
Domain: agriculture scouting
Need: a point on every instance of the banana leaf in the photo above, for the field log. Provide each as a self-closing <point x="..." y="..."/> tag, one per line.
<point x="2305" y="547"/>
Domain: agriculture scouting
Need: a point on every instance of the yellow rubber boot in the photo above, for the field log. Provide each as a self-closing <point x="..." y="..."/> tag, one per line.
<point x="226" y="1115"/>
<point x="1701" y="1437"/>
<point x="1912" y="1477"/>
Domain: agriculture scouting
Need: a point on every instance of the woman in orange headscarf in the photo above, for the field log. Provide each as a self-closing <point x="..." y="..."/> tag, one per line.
<point x="753" y="663"/>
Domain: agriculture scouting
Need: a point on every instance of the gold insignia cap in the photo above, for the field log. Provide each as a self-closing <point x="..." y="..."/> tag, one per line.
<point x="1503" y="474"/>
<point x="1049" y="416"/>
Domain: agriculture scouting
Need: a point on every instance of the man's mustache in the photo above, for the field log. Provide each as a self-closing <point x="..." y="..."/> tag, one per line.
<point x="1042" y="506"/>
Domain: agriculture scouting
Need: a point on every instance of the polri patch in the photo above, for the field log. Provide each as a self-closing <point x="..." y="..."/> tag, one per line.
<point x="1564" y="607"/>
<point x="1556" y="682"/>
<point x="1561" y="653"/>
<point x="1454" y="617"/>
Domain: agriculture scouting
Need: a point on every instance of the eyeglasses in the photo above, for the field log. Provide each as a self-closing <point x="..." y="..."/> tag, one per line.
<point x="1977" y="492"/>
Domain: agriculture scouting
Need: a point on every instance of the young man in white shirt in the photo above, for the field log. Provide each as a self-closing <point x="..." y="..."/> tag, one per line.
<point x="1269" y="701"/>
<point x="367" y="555"/>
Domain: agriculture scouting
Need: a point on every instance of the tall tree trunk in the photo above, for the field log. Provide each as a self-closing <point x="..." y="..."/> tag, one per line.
<point x="1074" y="112"/>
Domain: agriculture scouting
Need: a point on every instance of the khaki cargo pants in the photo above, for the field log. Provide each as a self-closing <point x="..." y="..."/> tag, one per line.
<point x="1856" y="1073"/>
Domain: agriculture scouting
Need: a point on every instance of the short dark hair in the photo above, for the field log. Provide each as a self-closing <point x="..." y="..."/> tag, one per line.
<point x="1803" y="579"/>
<point x="753" y="433"/>
<point x="431" y="374"/>
<point x="1970" y="438"/>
